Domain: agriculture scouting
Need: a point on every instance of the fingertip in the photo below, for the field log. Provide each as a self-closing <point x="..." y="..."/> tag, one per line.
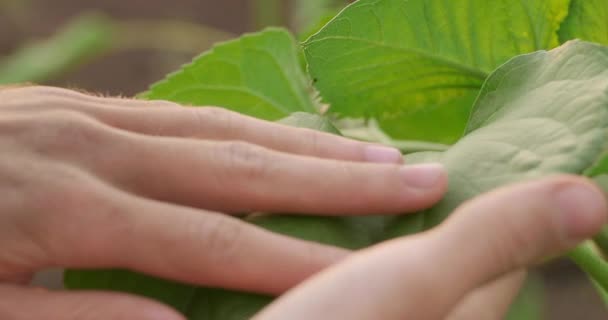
<point x="425" y="176"/>
<point x="382" y="154"/>
<point x="582" y="208"/>
<point x="161" y="313"/>
<point x="125" y="306"/>
<point x="423" y="185"/>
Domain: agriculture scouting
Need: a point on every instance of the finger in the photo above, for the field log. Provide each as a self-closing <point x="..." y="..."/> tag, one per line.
<point x="162" y="118"/>
<point x="424" y="276"/>
<point x="89" y="225"/>
<point x="224" y="176"/>
<point x="21" y="303"/>
<point x="492" y="301"/>
<point x="239" y="177"/>
<point x="221" y="124"/>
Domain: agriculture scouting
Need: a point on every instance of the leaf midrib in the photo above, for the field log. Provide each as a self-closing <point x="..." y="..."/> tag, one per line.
<point x="472" y="71"/>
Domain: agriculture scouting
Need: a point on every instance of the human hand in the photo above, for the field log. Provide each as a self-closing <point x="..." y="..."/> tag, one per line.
<point x="467" y="268"/>
<point x="90" y="182"/>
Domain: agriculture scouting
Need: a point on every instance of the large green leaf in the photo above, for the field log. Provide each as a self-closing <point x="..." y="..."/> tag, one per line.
<point x="417" y="65"/>
<point x="258" y="74"/>
<point x="538" y="114"/>
<point x="587" y="20"/>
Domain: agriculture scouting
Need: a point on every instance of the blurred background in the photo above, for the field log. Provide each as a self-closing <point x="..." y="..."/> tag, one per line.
<point x="119" y="47"/>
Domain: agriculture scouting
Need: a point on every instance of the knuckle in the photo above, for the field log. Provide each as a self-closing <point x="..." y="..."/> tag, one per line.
<point x="212" y="113"/>
<point x="221" y="238"/>
<point x="54" y="200"/>
<point x="60" y="191"/>
<point x="311" y="141"/>
<point x="62" y="130"/>
<point x="213" y="117"/>
<point x="245" y="160"/>
<point x="204" y="117"/>
<point x="77" y="212"/>
<point x="162" y="104"/>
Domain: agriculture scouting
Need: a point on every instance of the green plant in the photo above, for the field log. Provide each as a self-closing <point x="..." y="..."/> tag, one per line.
<point x="467" y="73"/>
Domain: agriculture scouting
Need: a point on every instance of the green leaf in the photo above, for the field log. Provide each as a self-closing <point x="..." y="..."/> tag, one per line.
<point x="219" y="304"/>
<point x="587" y="20"/>
<point x="257" y="74"/>
<point x="84" y="37"/>
<point x="538" y="114"/>
<point x="417" y="65"/>
<point x="600" y="167"/>
<point x="351" y="232"/>
<point x="177" y="295"/>
<point x="593" y="264"/>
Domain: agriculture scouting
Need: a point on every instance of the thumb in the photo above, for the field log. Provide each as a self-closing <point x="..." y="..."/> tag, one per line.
<point x="425" y="276"/>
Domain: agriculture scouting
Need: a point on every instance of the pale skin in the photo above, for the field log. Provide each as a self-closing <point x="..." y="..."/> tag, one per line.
<point x="93" y="182"/>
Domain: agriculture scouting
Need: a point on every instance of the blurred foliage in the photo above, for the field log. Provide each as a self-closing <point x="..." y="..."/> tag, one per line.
<point x="81" y="39"/>
<point x="92" y="35"/>
<point x="267" y="13"/>
<point x="311" y="15"/>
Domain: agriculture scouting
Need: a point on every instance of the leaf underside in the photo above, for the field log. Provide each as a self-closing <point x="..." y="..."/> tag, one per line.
<point x="539" y="114"/>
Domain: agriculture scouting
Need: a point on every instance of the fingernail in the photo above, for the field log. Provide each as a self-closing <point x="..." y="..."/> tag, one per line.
<point x="423" y="176"/>
<point x="381" y="154"/>
<point x="158" y="312"/>
<point x="582" y="210"/>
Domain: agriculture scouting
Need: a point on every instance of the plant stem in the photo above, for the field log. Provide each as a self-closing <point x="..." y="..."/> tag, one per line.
<point x="373" y="133"/>
<point x="267" y="13"/>
<point x="603" y="293"/>
<point x="590" y="262"/>
<point x="410" y="146"/>
<point x="602" y="240"/>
